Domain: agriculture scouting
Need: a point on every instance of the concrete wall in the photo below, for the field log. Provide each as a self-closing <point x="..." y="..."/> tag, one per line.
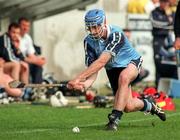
<point x="4" y="25"/>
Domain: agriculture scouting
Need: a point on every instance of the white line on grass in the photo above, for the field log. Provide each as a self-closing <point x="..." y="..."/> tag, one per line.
<point x="27" y="131"/>
<point x="90" y="125"/>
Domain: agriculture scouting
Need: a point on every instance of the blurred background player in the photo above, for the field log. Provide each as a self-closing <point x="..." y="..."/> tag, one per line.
<point x="5" y="79"/>
<point x="11" y="55"/>
<point x="151" y="5"/>
<point x="27" y="48"/>
<point x="107" y="46"/>
<point x="164" y="53"/>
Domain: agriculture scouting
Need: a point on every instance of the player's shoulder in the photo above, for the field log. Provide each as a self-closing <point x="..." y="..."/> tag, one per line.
<point x="88" y="39"/>
<point x="27" y="37"/>
<point x="114" y="28"/>
<point x="3" y="40"/>
<point x="115" y="31"/>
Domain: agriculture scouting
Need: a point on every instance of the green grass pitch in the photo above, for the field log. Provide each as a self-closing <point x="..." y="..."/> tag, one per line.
<point x="38" y="122"/>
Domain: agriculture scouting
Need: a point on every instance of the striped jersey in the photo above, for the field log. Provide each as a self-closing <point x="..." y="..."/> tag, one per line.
<point x="116" y="44"/>
<point x="7" y="51"/>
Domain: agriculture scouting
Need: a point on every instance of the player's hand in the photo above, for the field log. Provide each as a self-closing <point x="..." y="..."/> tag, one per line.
<point x="40" y="60"/>
<point x="72" y="83"/>
<point x="79" y="87"/>
<point x="16" y="41"/>
<point x="177" y="43"/>
<point x="75" y="85"/>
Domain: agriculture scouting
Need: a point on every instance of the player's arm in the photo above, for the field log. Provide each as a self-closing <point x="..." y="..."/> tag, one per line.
<point x="86" y="78"/>
<point x="95" y="66"/>
<point x="82" y="86"/>
<point x="90" y="80"/>
<point x="33" y="59"/>
<point x="115" y="42"/>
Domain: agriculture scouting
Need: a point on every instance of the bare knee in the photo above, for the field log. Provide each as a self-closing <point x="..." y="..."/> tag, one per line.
<point x="24" y="67"/>
<point x="128" y="108"/>
<point x="16" y="66"/>
<point x="124" y="80"/>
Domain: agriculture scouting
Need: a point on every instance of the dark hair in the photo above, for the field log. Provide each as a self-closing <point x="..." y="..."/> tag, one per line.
<point x="23" y="19"/>
<point x="126" y="30"/>
<point x="164" y="0"/>
<point x="13" y="25"/>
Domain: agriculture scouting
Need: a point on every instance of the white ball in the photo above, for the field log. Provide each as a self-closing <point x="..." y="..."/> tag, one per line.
<point x="76" y="129"/>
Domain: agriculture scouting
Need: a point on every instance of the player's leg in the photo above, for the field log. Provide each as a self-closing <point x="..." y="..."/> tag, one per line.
<point x="15" y="92"/>
<point x="133" y="104"/>
<point x="124" y="88"/>
<point x="36" y="73"/>
<point x="24" y="73"/>
<point x="12" y="69"/>
<point x="4" y="82"/>
<point x="146" y="104"/>
<point x="122" y="96"/>
<point x="125" y="102"/>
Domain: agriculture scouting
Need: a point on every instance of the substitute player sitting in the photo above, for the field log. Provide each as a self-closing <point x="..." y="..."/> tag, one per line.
<point x="107" y="46"/>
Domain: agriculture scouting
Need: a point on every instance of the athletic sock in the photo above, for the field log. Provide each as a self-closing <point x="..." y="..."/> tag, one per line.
<point x="147" y="105"/>
<point x="118" y="114"/>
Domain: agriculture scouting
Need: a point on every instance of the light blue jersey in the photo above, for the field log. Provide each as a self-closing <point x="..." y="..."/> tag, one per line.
<point x="116" y="43"/>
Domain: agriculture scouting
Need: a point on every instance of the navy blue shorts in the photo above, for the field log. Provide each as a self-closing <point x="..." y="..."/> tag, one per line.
<point x="113" y="74"/>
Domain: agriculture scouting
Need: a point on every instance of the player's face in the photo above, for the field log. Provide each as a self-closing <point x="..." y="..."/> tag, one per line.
<point x="128" y="34"/>
<point x="25" y="27"/>
<point x="164" y="5"/>
<point x="14" y="33"/>
<point x="95" y="31"/>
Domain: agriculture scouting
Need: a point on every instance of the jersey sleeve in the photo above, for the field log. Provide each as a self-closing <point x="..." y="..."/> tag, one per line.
<point x="30" y="48"/>
<point x="115" y="42"/>
<point x="90" y="55"/>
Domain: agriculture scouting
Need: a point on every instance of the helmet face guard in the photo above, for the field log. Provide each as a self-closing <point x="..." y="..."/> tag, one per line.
<point x="99" y="32"/>
<point x="94" y="20"/>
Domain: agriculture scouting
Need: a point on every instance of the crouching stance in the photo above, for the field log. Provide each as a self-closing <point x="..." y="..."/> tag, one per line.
<point x="107" y="46"/>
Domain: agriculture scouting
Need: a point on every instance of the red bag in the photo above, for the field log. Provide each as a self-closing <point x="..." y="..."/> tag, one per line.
<point x="165" y="102"/>
<point x="161" y="98"/>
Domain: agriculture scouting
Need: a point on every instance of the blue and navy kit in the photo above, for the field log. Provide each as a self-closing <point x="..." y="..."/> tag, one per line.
<point x="116" y="44"/>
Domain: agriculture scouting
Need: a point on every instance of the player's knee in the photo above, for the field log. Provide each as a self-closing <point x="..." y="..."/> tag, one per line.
<point x="25" y="67"/>
<point x="16" y="65"/>
<point x="129" y="108"/>
<point x="124" y="79"/>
